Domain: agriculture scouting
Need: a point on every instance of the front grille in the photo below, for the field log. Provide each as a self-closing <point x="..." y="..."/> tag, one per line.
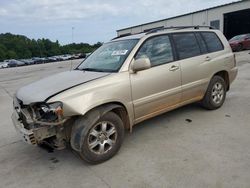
<point x="29" y="137"/>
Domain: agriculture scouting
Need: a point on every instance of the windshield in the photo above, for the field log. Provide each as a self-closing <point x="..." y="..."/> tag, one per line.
<point x="109" y="57"/>
<point x="238" y="37"/>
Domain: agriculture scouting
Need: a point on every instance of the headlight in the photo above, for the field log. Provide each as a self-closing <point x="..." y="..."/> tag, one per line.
<point x="49" y="112"/>
<point x="56" y="107"/>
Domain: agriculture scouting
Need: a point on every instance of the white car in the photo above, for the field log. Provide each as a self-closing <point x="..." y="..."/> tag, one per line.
<point x="3" y="65"/>
<point x="65" y="57"/>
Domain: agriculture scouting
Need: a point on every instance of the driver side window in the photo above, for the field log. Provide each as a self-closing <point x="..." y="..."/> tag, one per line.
<point x="157" y="49"/>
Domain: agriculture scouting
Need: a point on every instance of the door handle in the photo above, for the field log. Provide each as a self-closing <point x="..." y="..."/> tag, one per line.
<point x="174" y="68"/>
<point x="208" y="58"/>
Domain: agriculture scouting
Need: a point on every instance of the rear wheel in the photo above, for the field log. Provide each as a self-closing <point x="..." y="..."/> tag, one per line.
<point x="215" y="94"/>
<point x="103" y="139"/>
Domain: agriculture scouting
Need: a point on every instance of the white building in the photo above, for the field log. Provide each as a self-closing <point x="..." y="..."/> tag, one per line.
<point x="232" y="19"/>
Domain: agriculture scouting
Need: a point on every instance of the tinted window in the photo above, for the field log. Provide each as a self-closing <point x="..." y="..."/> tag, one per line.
<point x="186" y="45"/>
<point x="157" y="49"/>
<point x="201" y="42"/>
<point x="213" y="42"/>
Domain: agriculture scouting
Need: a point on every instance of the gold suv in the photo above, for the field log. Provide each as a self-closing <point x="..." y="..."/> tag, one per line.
<point x="124" y="82"/>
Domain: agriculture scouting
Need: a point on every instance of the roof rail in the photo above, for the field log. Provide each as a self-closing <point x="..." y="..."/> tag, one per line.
<point x="178" y="27"/>
<point x="124" y="35"/>
<point x="154" y="30"/>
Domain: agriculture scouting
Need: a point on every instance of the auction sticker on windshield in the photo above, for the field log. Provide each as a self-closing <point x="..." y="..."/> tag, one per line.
<point x="119" y="52"/>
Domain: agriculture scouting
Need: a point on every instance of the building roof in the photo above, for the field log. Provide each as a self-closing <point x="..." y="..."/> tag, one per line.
<point x="235" y="2"/>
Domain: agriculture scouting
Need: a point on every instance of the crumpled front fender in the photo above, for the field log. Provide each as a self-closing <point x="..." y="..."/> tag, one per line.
<point x="83" y="123"/>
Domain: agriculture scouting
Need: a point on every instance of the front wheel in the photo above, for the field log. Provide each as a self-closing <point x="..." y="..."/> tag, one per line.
<point x="215" y="94"/>
<point x="103" y="139"/>
<point x="239" y="47"/>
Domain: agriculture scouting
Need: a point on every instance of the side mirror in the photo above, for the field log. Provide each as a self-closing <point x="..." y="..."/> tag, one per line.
<point x="140" y="64"/>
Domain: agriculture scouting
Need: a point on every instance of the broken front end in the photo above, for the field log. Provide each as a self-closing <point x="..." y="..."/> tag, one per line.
<point x="40" y="123"/>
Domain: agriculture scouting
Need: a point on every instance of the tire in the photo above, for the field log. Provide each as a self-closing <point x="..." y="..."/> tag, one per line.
<point x="103" y="139"/>
<point x="215" y="94"/>
<point x="239" y="48"/>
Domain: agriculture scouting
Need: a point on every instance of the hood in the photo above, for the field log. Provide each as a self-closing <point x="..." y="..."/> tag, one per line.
<point x="45" y="88"/>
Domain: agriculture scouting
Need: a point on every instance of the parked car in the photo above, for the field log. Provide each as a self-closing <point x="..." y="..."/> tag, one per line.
<point x="58" y="58"/>
<point x="66" y="57"/>
<point x="52" y="59"/>
<point x="240" y="42"/>
<point x="124" y="82"/>
<point x="3" y="65"/>
<point x="87" y="55"/>
<point x="79" y="56"/>
<point x="82" y="56"/>
<point x="45" y="59"/>
<point x="15" y="63"/>
<point x="28" y="61"/>
<point x="38" y="60"/>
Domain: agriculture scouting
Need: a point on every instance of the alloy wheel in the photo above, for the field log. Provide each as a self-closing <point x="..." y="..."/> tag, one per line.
<point x="102" y="137"/>
<point x="217" y="93"/>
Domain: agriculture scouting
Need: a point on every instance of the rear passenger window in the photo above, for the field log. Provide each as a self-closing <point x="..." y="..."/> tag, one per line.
<point x="157" y="49"/>
<point x="212" y="41"/>
<point x="186" y="45"/>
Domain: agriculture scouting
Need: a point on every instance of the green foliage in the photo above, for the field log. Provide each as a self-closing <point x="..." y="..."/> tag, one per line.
<point x="21" y="47"/>
<point x="11" y="54"/>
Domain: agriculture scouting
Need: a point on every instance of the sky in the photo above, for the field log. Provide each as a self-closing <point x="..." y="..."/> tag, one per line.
<point x="92" y="21"/>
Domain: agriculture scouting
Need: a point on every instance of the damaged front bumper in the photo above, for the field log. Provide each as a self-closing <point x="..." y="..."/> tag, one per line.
<point x="26" y="135"/>
<point x="33" y="136"/>
<point x="35" y="132"/>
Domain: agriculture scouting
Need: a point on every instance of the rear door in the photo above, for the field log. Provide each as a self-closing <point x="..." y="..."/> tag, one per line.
<point x="197" y="54"/>
<point x="194" y="65"/>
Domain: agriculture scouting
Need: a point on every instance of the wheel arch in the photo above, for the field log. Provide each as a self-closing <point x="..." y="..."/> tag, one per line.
<point x="115" y="106"/>
<point x="224" y="74"/>
<point x="92" y="115"/>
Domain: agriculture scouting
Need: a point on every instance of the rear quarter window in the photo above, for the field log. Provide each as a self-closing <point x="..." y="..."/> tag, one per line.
<point x="212" y="41"/>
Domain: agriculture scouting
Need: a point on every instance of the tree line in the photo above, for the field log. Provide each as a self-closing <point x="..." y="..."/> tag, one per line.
<point x="21" y="47"/>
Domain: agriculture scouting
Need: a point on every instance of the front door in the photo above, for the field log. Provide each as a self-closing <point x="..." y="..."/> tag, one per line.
<point x="159" y="88"/>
